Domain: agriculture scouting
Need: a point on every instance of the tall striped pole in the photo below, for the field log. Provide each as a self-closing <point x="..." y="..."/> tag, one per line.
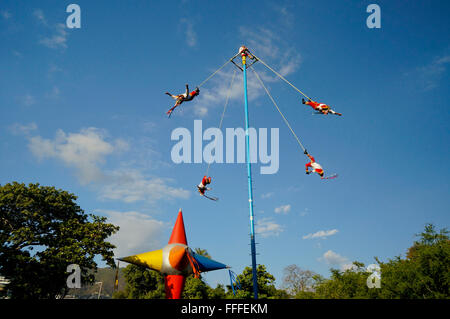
<point x="249" y="177"/>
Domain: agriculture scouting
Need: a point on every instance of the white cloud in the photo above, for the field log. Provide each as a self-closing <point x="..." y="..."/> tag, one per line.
<point x="283" y="209"/>
<point x="53" y="94"/>
<point x="190" y="34"/>
<point x="39" y="15"/>
<point x="332" y="258"/>
<point x="58" y="39"/>
<point x="267" y="227"/>
<point x="17" y="54"/>
<point x="215" y="94"/>
<point x="286" y="16"/>
<point x="27" y="100"/>
<point x="321" y="234"/>
<point x="443" y="60"/>
<point x="53" y="68"/>
<point x="5" y="14"/>
<point x="84" y="151"/>
<point x="20" y="129"/>
<point x="268" y="45"/>
<point x="130" y="185"/>
<point x="138" y="232"/>
<point x="431" y="73"/>
<point x="304" y="212"/>
<point x="267" y="195"/>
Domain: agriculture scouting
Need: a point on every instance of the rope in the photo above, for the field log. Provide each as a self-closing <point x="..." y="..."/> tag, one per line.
<point x="234" y="280"/>
<point x="281" y="77"/>
<point x="214" y="73"/>
<point x="224" y="109"/>
<point x="194" y="265"/>
<point x="274" y="103"/>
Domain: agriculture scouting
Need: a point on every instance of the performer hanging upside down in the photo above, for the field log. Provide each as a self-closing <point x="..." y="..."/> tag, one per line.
<point x="202" y="186"/>
<point x="315" y="166"/>
<point x="320" y="107"/>
<point x="180" y="98"/>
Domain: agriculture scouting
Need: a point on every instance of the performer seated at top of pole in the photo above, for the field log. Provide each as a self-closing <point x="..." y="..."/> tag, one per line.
<point x="180" y="98"/>
<point x="243" y="51"/>
<point x="320" y="107"/>
<point x="315" y="166"/>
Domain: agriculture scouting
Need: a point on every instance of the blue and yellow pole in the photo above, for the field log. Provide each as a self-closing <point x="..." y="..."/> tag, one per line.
<point x="249" y="177"/>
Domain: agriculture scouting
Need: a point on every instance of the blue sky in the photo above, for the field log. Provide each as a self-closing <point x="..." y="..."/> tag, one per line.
<point x="84" y="110"/>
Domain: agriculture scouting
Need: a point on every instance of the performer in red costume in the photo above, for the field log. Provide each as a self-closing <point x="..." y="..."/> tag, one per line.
<point x="314" y="166"/>
<point x="202" y="186"/>
<point x="180" y="98"/>
<point x="320" y="107"/>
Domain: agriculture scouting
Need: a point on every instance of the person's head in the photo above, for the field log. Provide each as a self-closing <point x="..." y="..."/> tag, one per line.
<point x="321" y="174"/>
<point x="197" y="91"/>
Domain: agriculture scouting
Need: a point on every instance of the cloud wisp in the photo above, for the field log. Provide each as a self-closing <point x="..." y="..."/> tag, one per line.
<point x="189" y="33"/>
<point x="86" y="153"/>
<point x="323" y="234"/>
<point x="267" y="45"/>
<point x="430" y="74"/>
<point x="83" y="151"/>
<point x="283" y="209"/>
<point x="267" y="227"/>
<point x="138" y="232"/>
<point x="57" y="39"/>
<point x="332" y="258"/>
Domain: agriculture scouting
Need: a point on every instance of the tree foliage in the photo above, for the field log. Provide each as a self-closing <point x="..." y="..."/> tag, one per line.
<point x="297" y="280"/>
<point x="266" y="287"/>
<point x="195" y="288"/>
<point x="348" y="284"/>
<point x="423" y="274"/>
<point x="141" y="283"/>
<point x="42" y="231"/>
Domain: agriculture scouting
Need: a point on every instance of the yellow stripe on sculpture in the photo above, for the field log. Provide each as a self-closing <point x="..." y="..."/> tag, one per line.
<point x="152" y="259"/>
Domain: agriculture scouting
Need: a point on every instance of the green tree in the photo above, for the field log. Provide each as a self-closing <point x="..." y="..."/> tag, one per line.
<point x="348" y="284"/>
<point x="202" y="252"/>
<point x="217" y="293"/>
<point x="141" y="283"/>
<point x="266" y="287"/>
<point x="195" y="288"/>
<point x="424" y="273"/>
<point x="42" y="231"/>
